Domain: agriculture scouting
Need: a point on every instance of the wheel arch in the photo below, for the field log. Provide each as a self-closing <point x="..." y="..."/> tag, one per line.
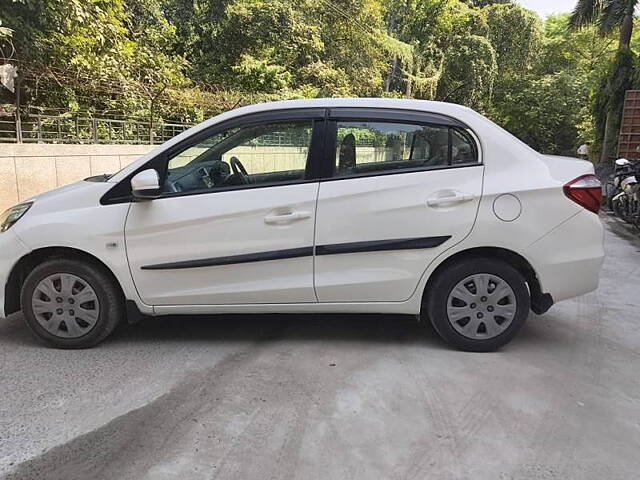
<point x="28" y="262"/>
<point x="540" y="301"/>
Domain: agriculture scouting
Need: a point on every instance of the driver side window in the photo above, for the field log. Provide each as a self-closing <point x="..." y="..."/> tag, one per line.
<point x="250" y="155"/>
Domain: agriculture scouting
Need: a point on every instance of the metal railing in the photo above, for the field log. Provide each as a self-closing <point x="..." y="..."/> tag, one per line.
<point x="38" y="128"/>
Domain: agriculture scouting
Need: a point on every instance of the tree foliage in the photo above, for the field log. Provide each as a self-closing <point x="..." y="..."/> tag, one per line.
<point x="619" y="76"/>
<point x="606" y="14"/>
<point x="609" y="15"/>
<point x="187" y="59"/>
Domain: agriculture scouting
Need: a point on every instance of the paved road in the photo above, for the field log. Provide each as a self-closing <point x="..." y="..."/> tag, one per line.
<point x="334" y="397"/>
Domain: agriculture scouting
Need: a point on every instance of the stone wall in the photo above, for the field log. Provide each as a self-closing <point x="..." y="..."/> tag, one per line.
<point x="27" y="170"/>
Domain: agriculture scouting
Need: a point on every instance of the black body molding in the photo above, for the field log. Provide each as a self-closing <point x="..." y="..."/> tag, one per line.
<point x="335" y="249"/>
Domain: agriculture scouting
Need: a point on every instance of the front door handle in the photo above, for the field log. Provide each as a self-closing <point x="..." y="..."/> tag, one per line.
<point x="284" y="218"/>
<point x="449" y="198"/>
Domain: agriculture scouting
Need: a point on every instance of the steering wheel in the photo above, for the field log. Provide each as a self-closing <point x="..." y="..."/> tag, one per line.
<point x="239" y="170"/>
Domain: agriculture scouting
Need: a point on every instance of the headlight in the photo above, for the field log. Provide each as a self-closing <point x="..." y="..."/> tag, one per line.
<point x="12" y="215"/>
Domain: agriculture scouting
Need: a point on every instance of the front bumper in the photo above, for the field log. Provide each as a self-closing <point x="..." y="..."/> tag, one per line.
<point x="11" y="250"/>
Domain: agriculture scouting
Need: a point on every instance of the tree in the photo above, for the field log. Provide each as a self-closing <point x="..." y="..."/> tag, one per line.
<point x="5" y="41"/>
<point x="548" y="105"/>
<point x="449" y="58"/>
<point x="187" y="59"/>
<point x="95" y="55"/>
<point x="417" y="24"/>
<point x="484" y="3"/>
<point x="516" y="35"/>
<point x="469" y="72"/>
<point x="323" y="48"/>
<point x="545" y="112"/>
<point x="610" y="15"/>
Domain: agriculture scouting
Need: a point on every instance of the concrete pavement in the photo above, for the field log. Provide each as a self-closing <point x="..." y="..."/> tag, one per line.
<point x="334" y="397"/>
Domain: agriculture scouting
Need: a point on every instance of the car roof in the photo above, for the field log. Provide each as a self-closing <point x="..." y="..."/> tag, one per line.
<point x="458" y="112"/>
<point x="388" y="103"/>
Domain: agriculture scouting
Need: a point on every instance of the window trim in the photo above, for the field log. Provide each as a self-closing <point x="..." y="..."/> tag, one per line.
<point x="233" y="188"/>
<point x="470" y="135"/>
<point x="323" y="145"/>
<point x="121" y="192"/>
<point x="395" y="114"/>
<point x="392" y="116"/>
<point x="406" y="171"/>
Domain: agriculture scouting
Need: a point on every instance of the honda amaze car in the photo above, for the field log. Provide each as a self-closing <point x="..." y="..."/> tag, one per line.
<point x="326" y="205"/>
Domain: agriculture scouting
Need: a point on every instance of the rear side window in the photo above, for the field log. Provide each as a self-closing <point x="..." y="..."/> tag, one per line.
<point x="463" y="148"/>
<point x="369" y="147"/>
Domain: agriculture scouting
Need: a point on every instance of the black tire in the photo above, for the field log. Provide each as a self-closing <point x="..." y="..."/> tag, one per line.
<point x="436" y="298"/>
<point x="108" y="294"/>
<point x="619" y="209"/>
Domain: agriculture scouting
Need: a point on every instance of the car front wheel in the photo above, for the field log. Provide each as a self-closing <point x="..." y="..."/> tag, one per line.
<point x="69" y="303"/>
<point x="478" y="304"/>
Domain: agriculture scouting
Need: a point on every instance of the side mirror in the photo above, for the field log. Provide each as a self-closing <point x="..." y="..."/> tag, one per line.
<point x="145" y="185"/>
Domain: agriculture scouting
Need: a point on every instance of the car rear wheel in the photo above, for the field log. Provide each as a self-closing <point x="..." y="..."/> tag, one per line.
<point x="70" y="303"/>
<point x="478" y="304"/>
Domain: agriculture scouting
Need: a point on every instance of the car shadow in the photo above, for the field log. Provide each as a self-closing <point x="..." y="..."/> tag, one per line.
<point x="279" y="327"/>
<point x="372" y="328"/>
<point x="369" y="328"/>
<point x="239" y="328"/>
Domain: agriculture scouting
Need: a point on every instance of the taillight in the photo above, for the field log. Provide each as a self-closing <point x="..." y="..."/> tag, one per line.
<point x="586" y="191"/>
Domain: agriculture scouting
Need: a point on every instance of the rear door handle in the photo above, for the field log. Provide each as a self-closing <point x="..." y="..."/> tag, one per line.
<point x="284" y="218"/>
<point x="450" y="198"/>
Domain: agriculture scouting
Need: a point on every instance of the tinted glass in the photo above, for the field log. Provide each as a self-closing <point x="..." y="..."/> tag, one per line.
<point x="463" y="148"/>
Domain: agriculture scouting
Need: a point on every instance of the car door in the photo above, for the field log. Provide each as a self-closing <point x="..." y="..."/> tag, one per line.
<point x="399" y="188"/>
<point x="235" y="221"/>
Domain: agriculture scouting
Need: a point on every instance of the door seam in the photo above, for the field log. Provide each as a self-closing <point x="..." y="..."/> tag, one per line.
<point x="313" y="257"/>
<point x="126" y="253"/>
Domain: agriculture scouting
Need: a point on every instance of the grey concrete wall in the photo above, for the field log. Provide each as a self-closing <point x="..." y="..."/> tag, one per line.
<point x="27" y="170"/>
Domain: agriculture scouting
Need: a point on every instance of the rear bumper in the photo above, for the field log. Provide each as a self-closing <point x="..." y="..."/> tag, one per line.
<point x="11" y="250"/>
<point x="568" y="259"/>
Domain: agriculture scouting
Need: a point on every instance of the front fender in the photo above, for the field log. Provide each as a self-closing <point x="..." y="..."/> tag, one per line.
<point x="97" y="230"/>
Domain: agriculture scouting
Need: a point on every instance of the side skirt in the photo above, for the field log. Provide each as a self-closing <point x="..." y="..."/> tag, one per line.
<point x="410" y="307"/>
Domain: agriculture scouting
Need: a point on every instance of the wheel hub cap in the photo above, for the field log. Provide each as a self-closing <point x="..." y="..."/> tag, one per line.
<point x="65" y="305"/>
<point x="481" y="306"/>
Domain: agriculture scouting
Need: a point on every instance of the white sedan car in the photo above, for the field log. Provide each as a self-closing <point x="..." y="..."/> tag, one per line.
<point x="328" y="205"/>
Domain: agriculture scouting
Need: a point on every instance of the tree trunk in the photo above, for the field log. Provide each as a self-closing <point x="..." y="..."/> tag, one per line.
<point x="151" y="121"/>
<point x="391" y="74"/>
<point x="18" y="119"/>
<point x="608" y="142"/>
<point x="394" y="63"/>
<point x="610" y="133"/>
<point x="626" y="30"/>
